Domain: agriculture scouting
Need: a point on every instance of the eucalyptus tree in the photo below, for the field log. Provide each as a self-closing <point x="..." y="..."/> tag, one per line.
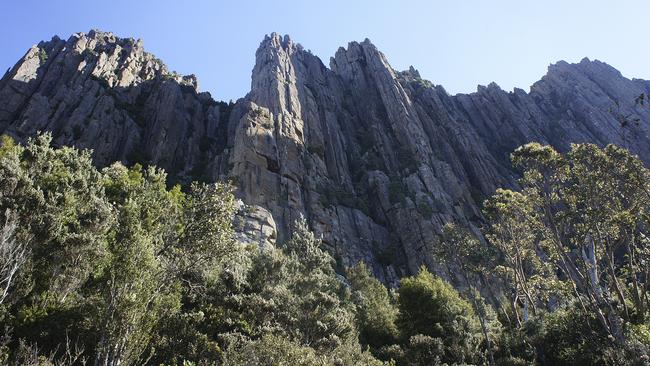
<point x="586" y="213"/>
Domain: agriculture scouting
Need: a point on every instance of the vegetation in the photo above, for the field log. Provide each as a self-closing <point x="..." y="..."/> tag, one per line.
<point x="113" y="267"/>
<point x="429" y="306"/>
<point x="42" y="55"/>
<point x="572" y="255"/>
<point x="376" y="310"/>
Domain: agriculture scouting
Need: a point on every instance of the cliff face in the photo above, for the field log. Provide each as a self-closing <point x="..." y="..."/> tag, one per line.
<point x="377" y="160"/>
<point x="98" y="91"/>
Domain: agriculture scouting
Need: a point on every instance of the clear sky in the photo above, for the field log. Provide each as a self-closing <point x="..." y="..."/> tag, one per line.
<point x="456" y="43"/>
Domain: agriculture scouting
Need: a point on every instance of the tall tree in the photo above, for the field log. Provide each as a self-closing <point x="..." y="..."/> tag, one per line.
<point x="163" y="240"/>
<point x="582" y="209"/>
<point x="462" y="251"/>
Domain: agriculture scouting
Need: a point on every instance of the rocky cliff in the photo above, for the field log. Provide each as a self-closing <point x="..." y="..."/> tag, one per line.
<point x="377" y="160"/>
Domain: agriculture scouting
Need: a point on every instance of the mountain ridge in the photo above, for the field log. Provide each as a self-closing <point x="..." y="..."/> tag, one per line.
<point x="367" y="40"/>
<point x="377" y="160"/>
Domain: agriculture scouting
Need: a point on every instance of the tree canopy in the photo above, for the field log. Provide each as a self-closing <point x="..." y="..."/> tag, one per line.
<point x="114" y="266"/>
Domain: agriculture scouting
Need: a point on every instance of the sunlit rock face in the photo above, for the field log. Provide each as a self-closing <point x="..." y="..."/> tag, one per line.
<point x="376" y="160"/>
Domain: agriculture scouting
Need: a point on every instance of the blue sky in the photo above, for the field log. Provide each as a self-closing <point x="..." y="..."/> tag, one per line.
<point x="458" y="44"/>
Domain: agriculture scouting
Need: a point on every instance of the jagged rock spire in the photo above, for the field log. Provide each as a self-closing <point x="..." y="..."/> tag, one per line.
<point x="377" y="160"/>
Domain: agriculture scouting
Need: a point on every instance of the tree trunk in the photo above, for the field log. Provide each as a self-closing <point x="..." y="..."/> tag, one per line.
<point x="589" y="257"/>
<point x="481" y="315"/>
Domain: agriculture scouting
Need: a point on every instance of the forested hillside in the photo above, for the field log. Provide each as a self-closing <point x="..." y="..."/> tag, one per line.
<point x="113" y="267"/>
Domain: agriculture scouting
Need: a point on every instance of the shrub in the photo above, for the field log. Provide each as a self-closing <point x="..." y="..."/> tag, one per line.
<point x="431" y="307"/>
<point x="568" y="337"/>
<point x="42" y="55"/>
<point x="376" y="314"/>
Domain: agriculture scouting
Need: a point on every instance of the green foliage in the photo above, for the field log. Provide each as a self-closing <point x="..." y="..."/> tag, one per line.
<point x="514" y="348"/>
<point x="514" y="232"/>
<point x="567" y="337"/>
<point x="257" y="112"/>
<point x="376" y="312"/>
<point x="273" y="350"/>
<point x="459" y="248"/>
<point x="206" y="239"/>
<point x="7" y="145"/>
<point x="182" y="337"/>
<point x="592" y="202"/>
<point x="63" y="211"/>
<point x="424" y="350"/>
<point x="297" y="291"/>
<point x="274" y="304"/>
<point x="138" y="286"/>
<point x="431" y="307"/>
<point x="108" y="252"/>
<point x="575" y="238"/>
<point x="270" y="350"/>
<point x="42" y="55"/>
<point x="115" y="267"/>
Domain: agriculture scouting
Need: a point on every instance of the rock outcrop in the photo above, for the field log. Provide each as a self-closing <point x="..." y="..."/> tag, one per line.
<point x="101" y="92"/>
<point x="376" y="160"/>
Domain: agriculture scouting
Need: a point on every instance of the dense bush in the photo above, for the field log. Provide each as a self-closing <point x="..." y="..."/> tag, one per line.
<point x="568" y="337"/>
<point x="376" y="311"/>
<point x="113" y="266"/>
<point x="429" y="306"/>
<point x="107" y="253"/>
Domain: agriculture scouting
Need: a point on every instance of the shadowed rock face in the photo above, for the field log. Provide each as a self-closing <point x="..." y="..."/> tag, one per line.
<point x="377" y="160"/>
